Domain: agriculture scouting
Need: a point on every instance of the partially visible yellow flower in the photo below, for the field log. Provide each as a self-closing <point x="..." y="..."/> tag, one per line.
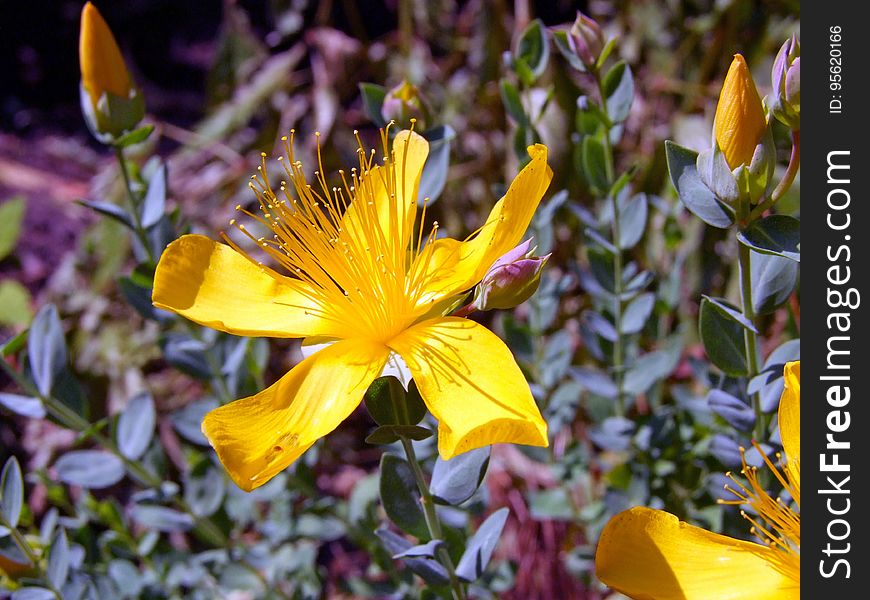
<point x="740" y="120"/>
<point x="649" y="554"/>
<point x="103" y="68"/>
<point x="355" y="270"/>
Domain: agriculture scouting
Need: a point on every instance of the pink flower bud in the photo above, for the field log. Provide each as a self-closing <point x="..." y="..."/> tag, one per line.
<point x="587" y="39"/>
<point x="511" y="280"/>
<point x="785" y="97"/>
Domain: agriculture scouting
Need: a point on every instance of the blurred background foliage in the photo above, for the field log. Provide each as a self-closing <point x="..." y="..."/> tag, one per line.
<point x="223" y="81"/>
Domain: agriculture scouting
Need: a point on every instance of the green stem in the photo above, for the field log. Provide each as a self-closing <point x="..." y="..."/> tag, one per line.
<point x="794" y="165"/>
<point x="432" y="521"/>
<point x="134" y="204"/>
<point x="406" y="30"/>
<point x="21" y="542"/>
<point x="750" y="340"/>
<point x="618" y="368"/>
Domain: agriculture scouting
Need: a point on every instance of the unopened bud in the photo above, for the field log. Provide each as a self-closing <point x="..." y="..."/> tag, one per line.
<point x="511" y="280"/>
<point x="403" y="103"/>
<point x="587" y="40"/>
<point x="110" y="102"/>
<point x="785" y="99"/>
<point x="740" y="122"/>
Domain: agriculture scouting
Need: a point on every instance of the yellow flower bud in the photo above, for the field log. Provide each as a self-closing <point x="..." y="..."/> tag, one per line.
<point x="103" y="68"/>
<point x="740" y="120"/>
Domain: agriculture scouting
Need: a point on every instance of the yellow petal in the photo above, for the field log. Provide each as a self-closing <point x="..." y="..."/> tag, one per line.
<point x="790" y="418"/>
<point x="471" y="384"/>
<point x="649" y="554"/>
<point x="103" y="68"/>
<point x="213" y="285"/>
<point x="259" y="436"/>
<point x="740" y="119"/>
<point x="458" y="266"/>
<point x="393" y="193"/>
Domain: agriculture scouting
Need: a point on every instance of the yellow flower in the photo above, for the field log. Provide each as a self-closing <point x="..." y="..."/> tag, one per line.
<point x="357" y="273"/>
<point x="649" y="554"/>
<point x="740" y="120"/>
<point x="103" y="68"/>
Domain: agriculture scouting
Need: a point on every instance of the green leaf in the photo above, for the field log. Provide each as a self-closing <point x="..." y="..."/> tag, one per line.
<point x="560" y="38"/>
<point x="91" y="469"/>
<point x="697" y="197"/>
<point x="23" y="405"/>
<point x="161" y="518"/>
<point x="533" y="49"/>
<point x="11" y="492"/>
<point x="454" y="481"/>
<point x="481" y="546"/>
<point x="434" y="174"/>
<point x="427" y="550"/>
<point x="632" y="221"/>
<point x="774" y="278"/>
<point x="139" y="297"/>
<point x="637" y="312"/>
<point x="777" y="234"/>
<point x="14" y="303"/>
<point x="731" y="312"/>
<point x="723" y="339"/>
<point x="400" y="497"/>
<point x="110" y="210"/>
<point x="187" y="355"/>
<point x="136" y="426"/>
<point x="619" y="90"/>
<point x="58" y="561"/>
<point x="654" y="366"/>
<point x="46" y="349"/>
<point x="15" y="344"/>
<point x="134" y="137"/>
<point x="594" y="163"/>
<point x="154" y="203"/>
<point x="204" y="494"/>
<point x="430" y="570"/>
<point x="388" y="434"/>
<point x="11" y="217"/>
<point x="510" y="96"/>
<point x="373" y="99"/>
<point x="389" y="404"/>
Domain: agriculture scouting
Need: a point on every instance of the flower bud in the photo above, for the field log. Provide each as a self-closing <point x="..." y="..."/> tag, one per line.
<point x="587" y="40"/>
<point x="785" y="99"/>
<point x="511" y="280"/>
<point x="403" y="103"/>
<point x="740" y="121"/>
<point x="110" y="102"/>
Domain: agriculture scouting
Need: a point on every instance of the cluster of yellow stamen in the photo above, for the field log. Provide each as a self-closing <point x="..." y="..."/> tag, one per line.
<point x="350" y="243"/>
<point x="775" y="523"/>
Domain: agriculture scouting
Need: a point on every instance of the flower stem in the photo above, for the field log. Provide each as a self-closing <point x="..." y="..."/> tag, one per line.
<point x="750" y="341"/>
<point x="432" y="521"/>
<point x="21" y="542"/>
<point x="134" y="204"/>
<point x="794" y="165"/>
<point x="618" y="367"/>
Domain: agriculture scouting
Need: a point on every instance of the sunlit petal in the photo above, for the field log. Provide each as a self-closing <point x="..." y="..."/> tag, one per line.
<point x="395" y="212"/>
<point x="649" y="554"/>
<point x="457" y="266"/>
<point x="259" y="436"/>
<point x="213" y="285"/>
<point x="471" y="384"/>
<point x="790" y="411"/>
<point x="790" y="423"/>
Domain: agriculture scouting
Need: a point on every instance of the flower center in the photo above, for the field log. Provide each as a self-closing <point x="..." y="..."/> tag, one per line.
<point x="776" y="523"/>
<point x="351" y="244"/>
